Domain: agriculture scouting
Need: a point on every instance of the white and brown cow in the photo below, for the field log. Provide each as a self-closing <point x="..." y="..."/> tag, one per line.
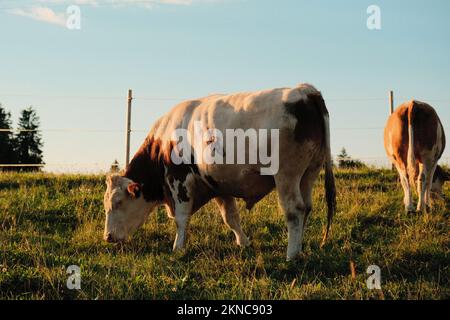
<point x="414" y="140"/>
<point x="152" y="178"/>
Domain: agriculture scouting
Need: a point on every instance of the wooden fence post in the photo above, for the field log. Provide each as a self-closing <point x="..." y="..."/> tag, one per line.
<point x="391" y="111"/>
<point x="391" y="102"/>
<point x="128" y="128"/>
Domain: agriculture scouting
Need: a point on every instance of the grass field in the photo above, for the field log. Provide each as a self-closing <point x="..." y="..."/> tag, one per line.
<point x="48" y="222"/>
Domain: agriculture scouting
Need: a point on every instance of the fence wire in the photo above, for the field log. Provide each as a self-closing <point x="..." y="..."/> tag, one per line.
<point x="96" y="167"/>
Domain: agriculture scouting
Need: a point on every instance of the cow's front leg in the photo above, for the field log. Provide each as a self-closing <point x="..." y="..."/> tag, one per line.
<point x="230" y="215"/>
<point x="180" y="190"/>
<point x="181" y="220"/>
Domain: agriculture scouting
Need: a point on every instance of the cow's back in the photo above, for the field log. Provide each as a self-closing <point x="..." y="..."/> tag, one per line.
<point x="427" y="132"/>
<point x="396" y="137"/>
<point x="254" y="110"/>
<point x="248" y="110"/>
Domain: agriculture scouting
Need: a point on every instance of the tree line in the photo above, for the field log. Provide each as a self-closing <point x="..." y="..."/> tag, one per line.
<point x="22" y="146"/>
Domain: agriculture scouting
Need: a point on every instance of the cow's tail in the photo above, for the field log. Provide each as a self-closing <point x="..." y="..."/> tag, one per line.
<point x="411" y="161"/>
<point x="330" y="187"/>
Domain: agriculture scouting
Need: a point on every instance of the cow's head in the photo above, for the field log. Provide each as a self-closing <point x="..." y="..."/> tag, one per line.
<point x="440" y="177"/>
<point x="125" y="208"/>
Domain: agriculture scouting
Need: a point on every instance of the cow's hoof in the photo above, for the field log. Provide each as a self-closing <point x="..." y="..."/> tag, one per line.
<point x="244" y="242"/>
<point x="178" y="249"/>
<point x="298" y="257"/>
<point x="292" y="258"/>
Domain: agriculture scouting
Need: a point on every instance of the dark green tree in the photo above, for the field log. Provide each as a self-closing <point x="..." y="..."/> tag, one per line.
<point x="28" y="141"/>
<point x="343" y="156"/>
<point x="346" y="162"/>
<point x="7" y="154"/>
<point x="115" y="168"/>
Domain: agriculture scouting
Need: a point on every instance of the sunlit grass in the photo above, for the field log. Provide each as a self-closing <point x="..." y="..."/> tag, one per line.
<point x="48" y="222"/>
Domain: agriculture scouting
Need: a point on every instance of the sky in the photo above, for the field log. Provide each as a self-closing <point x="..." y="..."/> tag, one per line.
<point x="172" y="50"/>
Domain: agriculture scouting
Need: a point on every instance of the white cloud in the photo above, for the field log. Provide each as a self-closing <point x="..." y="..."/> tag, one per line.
<point x="41" y="14"/>
<point x="42" y="11"/>
<point x="146" y="3"/>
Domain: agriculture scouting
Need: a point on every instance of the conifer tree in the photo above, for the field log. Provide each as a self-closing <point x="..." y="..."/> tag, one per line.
<point x="28" y="141"/>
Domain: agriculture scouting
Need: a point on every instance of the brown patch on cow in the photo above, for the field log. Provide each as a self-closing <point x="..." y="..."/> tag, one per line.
<point x="179" y="173"/>
<point x="263" y="185"/>
<point x="182" y="193"/>
<point x="147" y="169"/>
<point x="310" y="118"/>
<point x="213" y="183"/>
<point x="203" y="194"/>
<point x="424" y="120"/>
<point x="171" y="181"/>
<point x="251" y="202"/>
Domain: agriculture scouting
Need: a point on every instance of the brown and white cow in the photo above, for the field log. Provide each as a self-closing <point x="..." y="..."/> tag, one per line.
<point x="152" y="178"/>
<point x="414" y="140"/>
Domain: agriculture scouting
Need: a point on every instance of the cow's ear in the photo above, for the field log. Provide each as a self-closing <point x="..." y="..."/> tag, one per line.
<point x="134" y="190"/>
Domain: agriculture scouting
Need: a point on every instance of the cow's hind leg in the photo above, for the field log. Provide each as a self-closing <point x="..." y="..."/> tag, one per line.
<point x="306" y="188"/>
<point x="230" y="214"/>
<point x="422" y="182"/>
<point x="292" y="203"/>
<point x="407" y="199"/>
<point x="425" y="181"/>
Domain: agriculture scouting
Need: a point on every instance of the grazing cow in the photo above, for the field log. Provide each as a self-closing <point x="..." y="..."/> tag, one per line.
<point x="414" y="140"/>
<point x="153" y="177"/>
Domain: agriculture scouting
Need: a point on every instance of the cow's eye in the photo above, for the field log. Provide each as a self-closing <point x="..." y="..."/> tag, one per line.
<point x="117" y="204"/>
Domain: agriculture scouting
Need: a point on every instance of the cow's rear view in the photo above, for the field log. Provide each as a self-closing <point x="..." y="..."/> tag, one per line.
<point x="415" y="141"/>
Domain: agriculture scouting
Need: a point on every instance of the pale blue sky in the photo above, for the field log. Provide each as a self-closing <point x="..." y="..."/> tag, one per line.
<point x="181" y="51"/>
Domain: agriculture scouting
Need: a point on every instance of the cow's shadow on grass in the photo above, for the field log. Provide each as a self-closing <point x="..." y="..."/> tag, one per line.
<point x="321" y="263"/>
<point x="9" y="185"/>
<point x="373" y="187"/>
<point x="370" y="229"/>
<point x="50" y="221"/>
<point x="144" y="243"/>
<point x="429" y="265"/>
